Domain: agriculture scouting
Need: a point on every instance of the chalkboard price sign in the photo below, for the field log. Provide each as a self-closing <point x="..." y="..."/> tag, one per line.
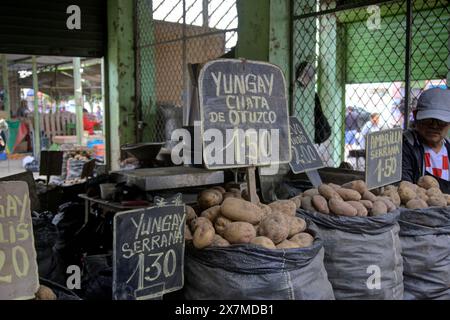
<point x="384" y="157"/>
<point x="304" y="154"/>
<point x="19" y="278"/>
<point x="244" y="114"/>
<point x="148" y="252"/>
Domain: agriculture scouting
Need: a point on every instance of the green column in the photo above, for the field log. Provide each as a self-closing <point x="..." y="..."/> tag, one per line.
<point x="6" y="96"/>
<point x="121" y="78"/>
<point x="78" y="93"/>
<point x="37" y="129"/>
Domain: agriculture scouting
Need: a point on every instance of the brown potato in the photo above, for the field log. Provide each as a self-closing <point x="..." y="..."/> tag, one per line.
<point x="263" y="242"/>
<point x="379" y="208"/>
<point x="219" y="242"/>
<point x="434" y="192"/>
<point x="303" y="239"/>
<point x="393" y="196"/>
<point x="391" y="188"/>
<point x="328" y="192"/>
<point x="227" y="195"/>
<point x="447" y="196"/>
<point x="286" y="244"/>
<point x="296" y="225"/>
<point x="437" y="201"/>
<point x="428" y="182"/>
<point x="220" y="189"/>
<point x="349" y="194"/>
<point x="357" y="185"/>
<point x="361" y="210"/>
<point x="203" y="236"/>
<point x="187" y="233"/>
<point x="199" y="221"/>
<point x="286" y="207"/>
<point x="367" y="204"/>
<point x="341" y="208"/>
<point x="275" y="227"/>
<point x="220" y="225"/>
<point x="209" y="198"/>
<point x="334" y="186"/>
<point x="211" y="213"/>
<point x="320" y="204"/>
<point x="389" y="204"/>
<point x="190" y="214"/>
<point x="45" y="293"/>
<point x="265" y="209"/>
<point x="297" y="200"/>
<point x="311" y="193"/>
<point x="367" y="195"/>
<point x="416" y="204"/>
<point x="239" y="232"/>
<point x="246" y="196"/>
<point x="408" y="184"/>
<point x="241" y="210"/>
<point x="307" y="204"/>
<point x="406" y="194"/>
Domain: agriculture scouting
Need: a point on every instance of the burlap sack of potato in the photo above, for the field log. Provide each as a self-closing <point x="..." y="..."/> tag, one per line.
<point x="250" y="272"/>
<point x="354" y="247"/>
<point x="425" y="239"/>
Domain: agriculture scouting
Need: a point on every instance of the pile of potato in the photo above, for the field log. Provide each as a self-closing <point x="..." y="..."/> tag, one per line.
<point x="227" y="218"/>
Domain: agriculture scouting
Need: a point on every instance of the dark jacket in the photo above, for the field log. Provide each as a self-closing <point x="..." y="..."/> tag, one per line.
<point x="413" y="159"/>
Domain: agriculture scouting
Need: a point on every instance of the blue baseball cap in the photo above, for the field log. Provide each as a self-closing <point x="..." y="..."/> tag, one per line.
<point x="434" y="104"/>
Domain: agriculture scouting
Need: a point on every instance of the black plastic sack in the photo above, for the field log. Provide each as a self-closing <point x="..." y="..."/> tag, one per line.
<point x="362" y="255"/>
<point x="425" y="239"/>
<point x="248" y="272"/>
<point x="97" y="278"/>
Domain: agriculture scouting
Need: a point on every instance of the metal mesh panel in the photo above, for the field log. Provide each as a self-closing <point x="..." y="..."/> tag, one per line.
<point x="361" y="55"/>
<point x="170" y="35"/>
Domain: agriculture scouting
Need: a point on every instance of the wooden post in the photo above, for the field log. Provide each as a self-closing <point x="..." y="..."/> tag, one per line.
<point x="37" y="126"/>
<point x="78" y="98"/>
<point x="5" y="76"/>
<point x="251" y="185"/>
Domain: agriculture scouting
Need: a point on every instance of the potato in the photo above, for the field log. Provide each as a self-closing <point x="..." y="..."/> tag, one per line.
<point x="219" y="242"/>
<point x="423" y="196"/>
<point x="220" y="225"/>
<point x="190" y="214"/>
<point x="391" y="188"/>
<point x="357" y="185"/>
<point x="320" y="204"/>
<point x="389" y="205"/>
<point x="297" y="200"/>
<point x="307" y="204"/>
<point x="203" y="235"/>
<point x="393" y="196"/>
<point x="447" y="196"/>
<point x="349" y="194"/>
<point x="241" y="210"/>
<point x="45" y="293"/>
<point x="367" y="195"/>
<point x="211" y="214"/>
<point x="416" y="204"/>
<point x="406" y="194"/>
<point x="437" y="201"/>
<point x="220" y="189"/>
<point x="367" y="204"/>
<point x="334" y="186"/>
<point x="199" y="221"/>
<point x="209" y="198"/>
<point x="434" y="192"/>
<point x="341" y="208"/>
<point x="187" y="233"/>
<point x="263" y="242"/>
<point x="296" y="225"/>
<point x="408" y="184"/>
<point x="379" y="208"/>
<point x="311" y="193"/>
<point x="239" y="232"/>
<point x="286" y="207"/>
<point x="227" y="195"/>
<point x="246" y="196"/>
<point x="428" y="182"/>
<point x="275" y="227"/>
<point x="303" y="239"/>
<point x="328" y="192"/>
<point x="265" y="209"/>
<point x="286" y="244"/>
<point x="361" y="210"/>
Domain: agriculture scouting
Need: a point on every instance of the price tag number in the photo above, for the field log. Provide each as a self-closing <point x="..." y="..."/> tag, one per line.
<point x="20" y="263"/>
<point x="304" y="155"/>
<point x="386" y="168"/>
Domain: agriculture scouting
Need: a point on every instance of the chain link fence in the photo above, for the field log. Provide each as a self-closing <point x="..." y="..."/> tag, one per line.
<point x="170" y="35"/>
<point x="363" y="64"/>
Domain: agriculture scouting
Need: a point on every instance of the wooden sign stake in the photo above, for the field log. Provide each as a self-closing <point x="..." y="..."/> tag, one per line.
<point x="251" y="184"/>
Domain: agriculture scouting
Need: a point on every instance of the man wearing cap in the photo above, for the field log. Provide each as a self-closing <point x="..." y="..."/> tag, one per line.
<point x="426" y="148"/>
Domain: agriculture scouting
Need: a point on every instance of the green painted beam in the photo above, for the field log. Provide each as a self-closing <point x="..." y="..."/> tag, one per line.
<point x="6" y="92"/>
<point x="121" y="78"/>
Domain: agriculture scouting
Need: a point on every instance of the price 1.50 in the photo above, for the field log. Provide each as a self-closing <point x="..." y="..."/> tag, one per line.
<point x="386" y="168"/>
